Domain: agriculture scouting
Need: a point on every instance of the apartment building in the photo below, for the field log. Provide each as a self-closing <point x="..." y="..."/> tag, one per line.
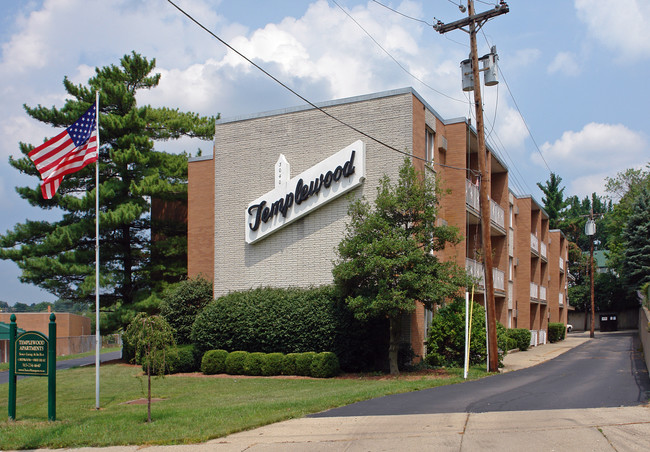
<point x="252" y="222"/>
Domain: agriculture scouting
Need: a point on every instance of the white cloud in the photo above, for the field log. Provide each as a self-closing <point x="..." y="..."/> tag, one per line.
<point x="565" y="63"/>
<point x="622" y="26"/>
<point x="598" y="150"/>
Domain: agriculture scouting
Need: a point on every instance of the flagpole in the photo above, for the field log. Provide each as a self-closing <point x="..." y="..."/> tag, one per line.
<point x="98" y="338"/>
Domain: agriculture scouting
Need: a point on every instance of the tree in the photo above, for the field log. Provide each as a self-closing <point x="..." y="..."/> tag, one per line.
<point x="386" y="259"/>
<point x="60" y="256"/>
<point x="151" y="337"/>
<point x="553" y="200"/>
<point x="636" y="263"/>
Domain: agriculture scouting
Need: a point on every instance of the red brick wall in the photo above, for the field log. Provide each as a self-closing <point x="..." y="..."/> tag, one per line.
<point x="200" y="233"/>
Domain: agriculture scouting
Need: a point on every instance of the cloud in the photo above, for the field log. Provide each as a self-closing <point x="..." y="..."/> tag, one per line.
<point x="621" y="26"/>
<point x="565" y="63"/>
<point x="598" y="150"/>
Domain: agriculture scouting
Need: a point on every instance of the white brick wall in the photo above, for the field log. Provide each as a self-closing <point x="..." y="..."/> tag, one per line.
<point x="246" y="151"/>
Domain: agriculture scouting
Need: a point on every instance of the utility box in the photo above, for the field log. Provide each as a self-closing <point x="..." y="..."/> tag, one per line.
<point x="468" y="76"/>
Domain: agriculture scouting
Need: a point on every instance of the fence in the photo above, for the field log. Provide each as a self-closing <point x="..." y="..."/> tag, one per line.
<point x="82" y="344"/>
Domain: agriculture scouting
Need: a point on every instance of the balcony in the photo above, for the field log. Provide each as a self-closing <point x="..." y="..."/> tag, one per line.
<point x="562" y="265"/>
<point x="542" y="294"/>
<point x="534" y="291"/>
<point x="475" y="270"/>
<point x="561" y="299"/>
<point x="542" y="250"/>
<point x="534" y="244"/>
<point x="497" y="214"/>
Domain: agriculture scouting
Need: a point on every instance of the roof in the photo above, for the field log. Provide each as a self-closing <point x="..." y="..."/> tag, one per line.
<point x="4" y="331"/>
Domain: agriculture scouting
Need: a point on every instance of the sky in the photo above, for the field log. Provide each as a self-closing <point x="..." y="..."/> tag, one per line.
<point x="571" y="98"/>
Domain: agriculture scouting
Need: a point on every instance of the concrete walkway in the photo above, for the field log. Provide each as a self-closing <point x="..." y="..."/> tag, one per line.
<point x="599" y="429"/>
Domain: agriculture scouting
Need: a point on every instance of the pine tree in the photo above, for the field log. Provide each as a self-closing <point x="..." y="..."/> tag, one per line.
<point x="387" y="261"/>
<point x="554" y="200"/>
<point x="60" y="256"/>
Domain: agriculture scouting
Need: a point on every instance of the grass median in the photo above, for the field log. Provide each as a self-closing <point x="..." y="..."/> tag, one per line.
<point x="193" y="408"/>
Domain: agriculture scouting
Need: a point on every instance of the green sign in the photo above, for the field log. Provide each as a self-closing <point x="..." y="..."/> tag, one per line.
<point x="32" y="354"/>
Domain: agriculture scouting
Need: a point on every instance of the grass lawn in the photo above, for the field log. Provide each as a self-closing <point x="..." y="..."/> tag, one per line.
<point x="5" y="366"/>
<point x="193" y="409"/>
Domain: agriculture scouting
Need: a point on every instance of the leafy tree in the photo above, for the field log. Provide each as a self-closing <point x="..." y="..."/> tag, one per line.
<point x="636" y="263"/>
<point x="151" y="338"/>
<point x="60" y="256"/>
<point x="554" y="199"/>
<point x="386" y="259"/>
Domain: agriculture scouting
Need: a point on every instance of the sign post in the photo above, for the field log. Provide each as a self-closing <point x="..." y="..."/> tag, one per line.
<point x="32" y="353"/>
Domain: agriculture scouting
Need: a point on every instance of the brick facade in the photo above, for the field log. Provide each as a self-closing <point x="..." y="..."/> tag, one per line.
<point x="302" y="253"/>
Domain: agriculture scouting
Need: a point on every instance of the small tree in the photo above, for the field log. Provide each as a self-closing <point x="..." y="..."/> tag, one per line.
<point x="151" y="337"/>
<point x="386" y="260"/>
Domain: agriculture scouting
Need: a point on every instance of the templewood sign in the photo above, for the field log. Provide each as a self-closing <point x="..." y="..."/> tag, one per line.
<point x="31" y="354"/>
<point x="296" y="197"/>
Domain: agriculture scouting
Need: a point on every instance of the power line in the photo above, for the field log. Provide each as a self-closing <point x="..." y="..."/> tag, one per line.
<point x="402" y="14"/>
<point x="391" y="56"/>
<point x="304" y="99"/>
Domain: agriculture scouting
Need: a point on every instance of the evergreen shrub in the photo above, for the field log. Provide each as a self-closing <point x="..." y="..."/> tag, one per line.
<point x="446" y="338"/>
<point x="182" y="303"/>
<point x="303" y="363"/>
<point x="289" y="364"/>
<point x="272" y="364"/>
<point x="214" y="362"/>
<point x="181" y="359"/>
<point x="253" y="363"/>
<point x="521" y="336"/>
<point x="235" y="362"/>
<point x="325" y="365"/>
<point x="556" y="331"/>
<point x="272" y="320"/>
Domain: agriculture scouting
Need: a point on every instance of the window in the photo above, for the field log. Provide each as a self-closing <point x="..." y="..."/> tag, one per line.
<point x="429" y="146"/>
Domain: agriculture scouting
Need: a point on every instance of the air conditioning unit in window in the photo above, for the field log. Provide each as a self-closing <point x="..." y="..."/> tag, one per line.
<point x="442" y="144"/>
<point x="516" y="261"/>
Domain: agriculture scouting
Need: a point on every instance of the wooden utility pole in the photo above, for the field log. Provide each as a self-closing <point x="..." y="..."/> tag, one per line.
<point x="475" y="22"/>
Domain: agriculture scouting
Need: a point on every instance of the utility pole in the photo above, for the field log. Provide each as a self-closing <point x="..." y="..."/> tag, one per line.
<point x="590" y="230"/>
<point x="475" y="22"/>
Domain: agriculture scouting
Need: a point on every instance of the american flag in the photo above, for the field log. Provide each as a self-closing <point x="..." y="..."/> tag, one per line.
<point x="66" y="153"/>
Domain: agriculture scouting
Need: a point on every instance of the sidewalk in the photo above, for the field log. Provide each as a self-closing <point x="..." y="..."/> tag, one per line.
<point x="598" y="429"/>
<point x="541" y="353"/>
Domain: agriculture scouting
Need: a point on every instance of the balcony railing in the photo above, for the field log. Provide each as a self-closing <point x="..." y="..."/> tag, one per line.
<point x="497" y="214"/>
<point x="561" y="264"/>
<point x="534" y="291"/>
<point x="561" y="299"/>
<point x="475" y="270"/>
<point x="542" y="249"/>
<point x="534" y="243"/>
<point x="471" y="195"/>
<point x="542" y="293"/>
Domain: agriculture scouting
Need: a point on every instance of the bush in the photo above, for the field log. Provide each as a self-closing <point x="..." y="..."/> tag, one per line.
<point x="556" y="331"/>
<point x="235" y="362"/>
<point x="291" y="321"/>
<point x="181" y="359"/>
<point x="303" y="363"/>
<point x="324" y="365"/>
<point x="446" y="339"/>
<point x="182" y="303"/>
<point x="214" y="362"/>
<point x="521" y="336"/>
<point x="289" y="364"/>
<point x="253" y="363"/>
<point x="272" y="364"/>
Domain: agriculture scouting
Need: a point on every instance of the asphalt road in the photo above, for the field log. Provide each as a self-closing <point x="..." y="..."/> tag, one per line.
<point x="67" y="364"/>
<point x="607" y="371"/>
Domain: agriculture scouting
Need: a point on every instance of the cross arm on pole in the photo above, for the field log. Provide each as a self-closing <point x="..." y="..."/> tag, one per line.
<point x="479" y="19"/>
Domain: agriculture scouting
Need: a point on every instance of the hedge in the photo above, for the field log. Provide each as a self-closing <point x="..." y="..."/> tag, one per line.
<point x="309" y="364"/>
<point x="556" y="331"/>
<point x="182" y="303"/>
<point x="271" y="320"/>
<point x="521" y="336"/>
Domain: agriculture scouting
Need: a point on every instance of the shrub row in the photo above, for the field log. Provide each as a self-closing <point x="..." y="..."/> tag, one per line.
<point x="290" y="321"/>
<point x="521" y="337"/>
<point x="556" y="331"/>
<point x="310" y="364"/>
